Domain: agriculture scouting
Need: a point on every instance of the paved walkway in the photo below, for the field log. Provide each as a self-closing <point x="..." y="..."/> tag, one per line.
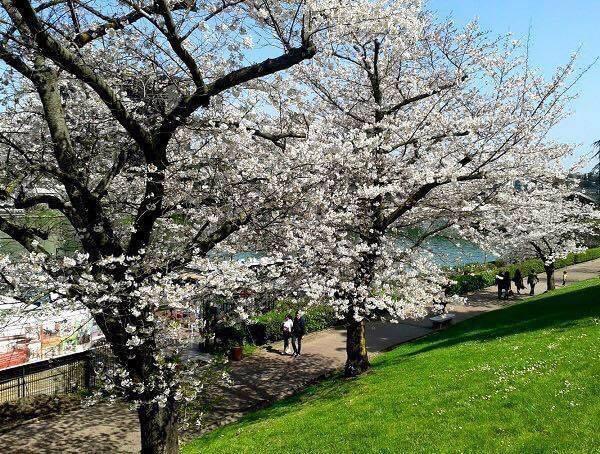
<point x="259" y="380"/>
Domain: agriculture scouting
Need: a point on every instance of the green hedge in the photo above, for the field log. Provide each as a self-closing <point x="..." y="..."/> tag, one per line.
<point x="267" y="327"/>
<point x="479" y="276"/>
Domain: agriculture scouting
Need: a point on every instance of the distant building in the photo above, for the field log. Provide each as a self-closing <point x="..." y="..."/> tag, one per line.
<point x="30" y="333"/>
<point x="588" y="186"/>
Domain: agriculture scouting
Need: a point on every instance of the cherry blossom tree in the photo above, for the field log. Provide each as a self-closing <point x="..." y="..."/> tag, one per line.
<point x="159" y="131"/>
<point x="544" y="220"/>
<point x="422" y="127"/>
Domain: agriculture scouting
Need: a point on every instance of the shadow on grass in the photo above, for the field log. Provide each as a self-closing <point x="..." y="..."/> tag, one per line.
<point x="560" y="310"/>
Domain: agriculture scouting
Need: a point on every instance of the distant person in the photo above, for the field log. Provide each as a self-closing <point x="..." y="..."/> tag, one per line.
<point x="564" y="281"/>
<point x="506" y="282"/>
<point x="286" y="329"/>
<point x="298" y="330"/>
<point x="532" y="279"/>
<point x="518" y="280"/>
<point x="500" y="284"/>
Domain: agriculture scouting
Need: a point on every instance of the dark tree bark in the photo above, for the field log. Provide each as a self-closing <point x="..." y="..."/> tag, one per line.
<point x="550" y="276"/>
<point x="357" y="360"/>
<point x="158" y="426"/>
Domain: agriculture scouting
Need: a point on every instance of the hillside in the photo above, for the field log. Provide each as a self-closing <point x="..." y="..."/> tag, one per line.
<point x="522" y="379"/>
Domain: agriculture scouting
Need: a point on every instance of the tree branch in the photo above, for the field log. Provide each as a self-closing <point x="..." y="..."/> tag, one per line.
<point x="25" y="236"/>
<point x="72" y="63"/>
<point x="420" y="97"/>
<point x="119" y="23"/>
<point x="177" y="44"/>
<point x="200" y="247"/>
<point x="420" y="194"/>
<point x="201" y="97"/>
<point x="276" y="138"/>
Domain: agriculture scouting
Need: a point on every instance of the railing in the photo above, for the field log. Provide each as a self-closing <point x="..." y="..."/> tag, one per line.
<point x="60" y="375"/>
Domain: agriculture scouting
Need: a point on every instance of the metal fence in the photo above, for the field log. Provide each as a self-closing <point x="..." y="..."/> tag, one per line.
<point x="64" y="374"/>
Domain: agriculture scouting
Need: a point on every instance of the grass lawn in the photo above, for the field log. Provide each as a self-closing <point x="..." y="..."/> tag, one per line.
<point x="523" y="379"/>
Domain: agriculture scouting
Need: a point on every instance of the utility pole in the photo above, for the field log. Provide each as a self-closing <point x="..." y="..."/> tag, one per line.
<point x="597" y="167"/>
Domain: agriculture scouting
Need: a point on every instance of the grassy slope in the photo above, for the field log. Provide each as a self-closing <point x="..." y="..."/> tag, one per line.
<point x="523" y="379"/>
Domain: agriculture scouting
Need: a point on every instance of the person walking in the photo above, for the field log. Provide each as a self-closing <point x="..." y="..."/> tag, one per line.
<point x="532" y="279"/>
<point x="286" y="330"/>
<point x="298" y="330"/>
<point x="518" y="280"/>
<point x="564" y="281"/>
<point x="500" y="284"/>
<point x="506" y="282"/>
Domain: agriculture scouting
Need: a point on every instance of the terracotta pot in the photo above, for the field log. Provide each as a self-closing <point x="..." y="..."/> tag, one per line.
<point x="236" y="353"/>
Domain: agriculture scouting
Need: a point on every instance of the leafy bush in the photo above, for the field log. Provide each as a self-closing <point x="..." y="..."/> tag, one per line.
<point x="267" y="327"/>
<point x="227" y="337"/>
<point x="590" y="254"/>
<point x="478" y="276"/>
<point x="470" y="282"/>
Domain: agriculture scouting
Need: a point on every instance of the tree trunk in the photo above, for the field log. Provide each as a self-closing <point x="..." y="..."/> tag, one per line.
<point x="356" y="348"/>
<point x="158" y="429"/>
<point x="550" y="276"/>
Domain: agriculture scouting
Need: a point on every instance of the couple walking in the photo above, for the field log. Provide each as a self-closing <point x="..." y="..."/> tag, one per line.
<point x="532" y="280"/>
<point x="294" y="330"/>
<point x="503" y="281"/>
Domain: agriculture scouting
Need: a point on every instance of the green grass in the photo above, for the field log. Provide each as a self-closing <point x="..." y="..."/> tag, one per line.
<point x="249" y="349"/>
<point x="523" y="379"/>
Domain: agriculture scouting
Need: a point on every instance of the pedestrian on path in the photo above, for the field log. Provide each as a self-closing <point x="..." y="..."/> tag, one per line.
<point x="286" y="329"/>
<point x="532" y="279"/>
<point x="500" y="284"/>
<point x="506" y="282"/>
<point x="518" y="280"/>
<point x="298" y="330"/>
<point x="564" y="281"/>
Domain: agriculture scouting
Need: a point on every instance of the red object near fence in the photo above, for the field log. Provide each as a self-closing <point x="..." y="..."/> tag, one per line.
<point x="236" y="353"/>
<point x="14" y="358"/>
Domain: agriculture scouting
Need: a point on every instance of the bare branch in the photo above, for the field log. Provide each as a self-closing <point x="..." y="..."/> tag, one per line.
<point x="418" y="195"/>
<point x="422" y="96"/>
<point x="177" y="44"/>
<point x="25" y="236"/>
<point x="119" y="23"/>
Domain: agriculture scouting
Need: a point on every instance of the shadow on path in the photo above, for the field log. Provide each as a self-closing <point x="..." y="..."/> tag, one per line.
<point x="98" y="429"/>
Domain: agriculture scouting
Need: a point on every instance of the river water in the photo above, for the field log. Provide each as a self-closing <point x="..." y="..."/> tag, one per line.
<point x="451" y="252"/>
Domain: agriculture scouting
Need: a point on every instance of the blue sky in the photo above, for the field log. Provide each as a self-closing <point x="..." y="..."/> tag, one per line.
<point x="559" y="27"/>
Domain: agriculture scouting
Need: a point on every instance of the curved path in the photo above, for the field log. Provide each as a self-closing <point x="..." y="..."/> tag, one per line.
<point x="258" y="380"/>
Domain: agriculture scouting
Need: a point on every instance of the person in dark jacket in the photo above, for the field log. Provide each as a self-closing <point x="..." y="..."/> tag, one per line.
<point x="298" y="330"/>
<point x="506" y="281"/>
<point x="532" y="279"/>
<point x="518" y="280"/>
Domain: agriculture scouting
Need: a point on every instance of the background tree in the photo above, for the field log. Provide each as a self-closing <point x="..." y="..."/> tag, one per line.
<point x="544" y="220"/>
<point x="157" y="131"/>
<point x="423" y="126"/>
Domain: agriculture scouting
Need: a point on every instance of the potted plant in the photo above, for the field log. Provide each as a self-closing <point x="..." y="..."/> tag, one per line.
<point x="231" y="338"/>
<point x="236" y="352"/>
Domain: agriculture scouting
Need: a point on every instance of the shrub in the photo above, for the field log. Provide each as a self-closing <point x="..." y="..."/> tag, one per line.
<point x="267" y="327"/>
